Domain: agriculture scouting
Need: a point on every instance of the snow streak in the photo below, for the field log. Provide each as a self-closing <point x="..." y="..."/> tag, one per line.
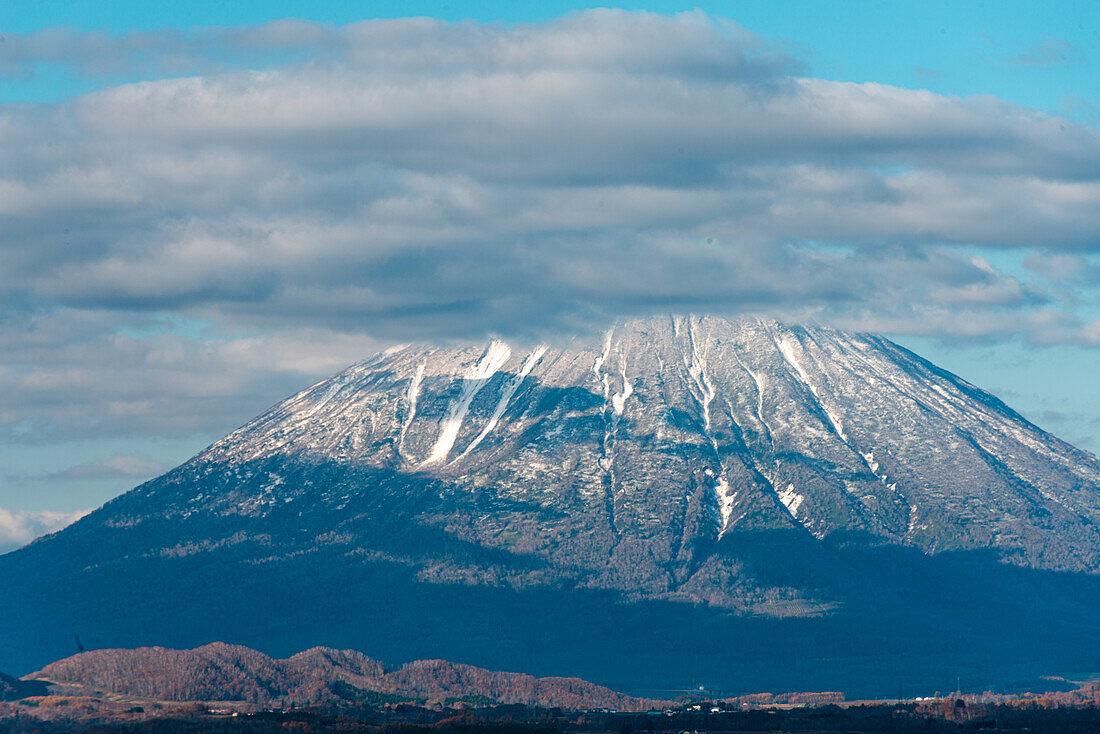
<point x="788" y="354"/>
<point x="758" y="381"/>
<point x="598" y="364"/>
<point x="868" y="458"/>
<point x="616" y="402"/>
<point x="412" y="396"/>
<point x="505" y="397"/>
<point x="475" y="378"/>
<point x="702" y="389"/>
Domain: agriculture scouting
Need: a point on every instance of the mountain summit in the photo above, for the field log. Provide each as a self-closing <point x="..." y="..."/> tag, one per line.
<point x="672" y="433"/>
<point x="685" y="497"/>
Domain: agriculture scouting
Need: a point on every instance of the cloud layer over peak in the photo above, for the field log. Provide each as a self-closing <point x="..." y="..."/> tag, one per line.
<point x="407" y="179"/>
<point x="17" y="527"/>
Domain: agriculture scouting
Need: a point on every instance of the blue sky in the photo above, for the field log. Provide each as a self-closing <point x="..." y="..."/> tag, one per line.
<point x="1033" y="53"/>
<point x="184" y="252"/>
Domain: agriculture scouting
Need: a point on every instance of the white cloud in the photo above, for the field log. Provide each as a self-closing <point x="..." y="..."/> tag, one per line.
<point x="71" y="374"/>
<point x="417" y="179"/>
<point x="118" y="466"/>
<point x="1090" y="334"/>
<point x="19" y="527"/>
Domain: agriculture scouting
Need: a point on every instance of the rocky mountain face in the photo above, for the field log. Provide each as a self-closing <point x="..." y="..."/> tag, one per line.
<point x="221" y="672"/>
<point x="683" y="498"/>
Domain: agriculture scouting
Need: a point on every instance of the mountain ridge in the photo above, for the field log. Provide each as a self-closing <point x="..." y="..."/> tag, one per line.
<point x="223" y="672"/>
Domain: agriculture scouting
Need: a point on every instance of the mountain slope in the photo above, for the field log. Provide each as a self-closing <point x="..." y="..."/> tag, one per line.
<point x="685" y="498"/>
<point x="220" y="672"/>
<point x="672" y="434"/>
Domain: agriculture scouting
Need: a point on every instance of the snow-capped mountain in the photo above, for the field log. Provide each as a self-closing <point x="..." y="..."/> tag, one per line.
<point x="673" y="432"/>
<point x="742" y="470"/>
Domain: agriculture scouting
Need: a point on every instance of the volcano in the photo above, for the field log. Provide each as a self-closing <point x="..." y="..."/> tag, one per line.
<point x="734" y="503"/>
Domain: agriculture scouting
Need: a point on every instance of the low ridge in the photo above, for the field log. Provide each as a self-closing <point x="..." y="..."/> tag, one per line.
<point x="221" y="672"/>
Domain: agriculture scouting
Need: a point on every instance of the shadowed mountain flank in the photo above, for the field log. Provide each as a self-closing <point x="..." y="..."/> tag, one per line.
<point x="12" y="689"/>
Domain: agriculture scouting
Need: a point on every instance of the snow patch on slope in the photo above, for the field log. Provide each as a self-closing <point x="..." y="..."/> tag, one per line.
<point x="791" y="500"/>
<point x="618" y="400"/>
<point x="726" y="498"/>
